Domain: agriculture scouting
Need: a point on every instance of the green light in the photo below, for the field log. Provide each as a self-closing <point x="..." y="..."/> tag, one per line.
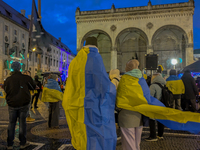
<point x="11" y="62"/>
<point x="11" y="70"/>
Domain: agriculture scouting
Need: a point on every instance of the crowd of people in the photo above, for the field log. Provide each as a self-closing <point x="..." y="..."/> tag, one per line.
<point x="90" y="100"/>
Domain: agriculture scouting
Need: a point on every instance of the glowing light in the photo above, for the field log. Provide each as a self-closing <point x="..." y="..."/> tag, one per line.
<point x="34" y="49"/>
<point x="180" y="60"/>
<point x="174" y="61"/>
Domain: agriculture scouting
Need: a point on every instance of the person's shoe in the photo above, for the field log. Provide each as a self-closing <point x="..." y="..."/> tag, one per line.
<point x="24" y="146"/>
<point x="149" y="139"/>
<point x="29" y="119"/>
<point x="160" y="137"/>
<point x="9" y="147"/>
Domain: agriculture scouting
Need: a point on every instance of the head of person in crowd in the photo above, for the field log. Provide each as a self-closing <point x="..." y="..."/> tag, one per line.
<point x="114" y="76"/>
<point x="187" y="71"/>
<point x="172" y="72"/>
<point x="92" y="41"/>
<point x="132" y="64"/>
<point x="53" y="76"/>
<point x="16" y="66"/>
<point x="160" y="69"/>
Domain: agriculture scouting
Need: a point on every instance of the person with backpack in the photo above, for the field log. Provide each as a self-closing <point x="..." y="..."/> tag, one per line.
<point x="156" y="91"/>
<point x="176" y="86"/>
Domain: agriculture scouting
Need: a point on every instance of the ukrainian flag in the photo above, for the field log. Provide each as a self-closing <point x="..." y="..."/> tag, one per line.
<point x="134" y="94"/>
<point x="89" y="102"/>
<point x="175" y="85"/>
<point x="51" y="91"/>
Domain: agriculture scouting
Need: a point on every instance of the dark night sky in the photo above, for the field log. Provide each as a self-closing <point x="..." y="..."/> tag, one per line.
<point x="58" y="16"/>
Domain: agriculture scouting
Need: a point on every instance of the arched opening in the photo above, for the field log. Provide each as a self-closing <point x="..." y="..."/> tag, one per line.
<point x="170" y="42"/>
<point x="104" y="45"/>
<point x="131" y="43"/>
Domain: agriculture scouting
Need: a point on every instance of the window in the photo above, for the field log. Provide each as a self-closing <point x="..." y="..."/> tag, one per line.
<point x="22" y="36"/>
<point x="51" y="62"/>
<point x="6" y="48"/>
<point x="6" y="27"/>
<point x="57" y="64"/>
<point x="8" y="13"/>
<point x="54" y="50"/>
<point x="35" y="69"/>
<point x="57" y="52"/>
<point x="15" y="32"/>
<point x="54" y="62"/>
<point x="29" y="68"/>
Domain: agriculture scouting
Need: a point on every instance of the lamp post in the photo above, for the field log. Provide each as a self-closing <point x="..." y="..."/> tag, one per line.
<point x="174" y="62"/>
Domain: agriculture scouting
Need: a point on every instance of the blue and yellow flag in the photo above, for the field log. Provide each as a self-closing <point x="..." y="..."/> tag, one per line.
<point x="175" y="85"/>
<point x="134" y="94"/>
<point x="51" y="92"/>
<point x="89" y="102"/>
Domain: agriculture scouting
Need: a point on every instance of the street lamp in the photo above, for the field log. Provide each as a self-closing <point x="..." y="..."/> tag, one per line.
<point x="34" y="49"/>
<point x="174" y="62"/>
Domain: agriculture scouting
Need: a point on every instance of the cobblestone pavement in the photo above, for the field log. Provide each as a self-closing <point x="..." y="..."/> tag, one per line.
<point x="43" y="138"/>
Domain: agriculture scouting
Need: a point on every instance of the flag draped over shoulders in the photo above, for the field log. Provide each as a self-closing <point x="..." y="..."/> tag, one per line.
<point x="134" y="94"/>
<point x="51" y="92"/>
<point x="89" y="102"/>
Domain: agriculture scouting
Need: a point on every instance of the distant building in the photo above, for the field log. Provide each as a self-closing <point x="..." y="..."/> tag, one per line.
<point x="14" y="39"/>
<point x="122" y="33"/>
<point x="197" y="54"/>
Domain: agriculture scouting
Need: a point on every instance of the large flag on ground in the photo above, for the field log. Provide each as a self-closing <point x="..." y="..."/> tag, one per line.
<point x="134" y="94"/>
<point x="38" y="36"/>
<point x="89" y="102"/>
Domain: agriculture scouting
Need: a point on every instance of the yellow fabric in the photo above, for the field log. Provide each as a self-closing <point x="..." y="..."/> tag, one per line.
<point x="176" y="86"/>
<point x="130" y="97"/>
<point x="51" y="95"/>
<point x="145" y="76"/>
<point x="73" y="100"/>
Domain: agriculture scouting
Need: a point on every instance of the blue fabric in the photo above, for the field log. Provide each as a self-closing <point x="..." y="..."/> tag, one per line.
<point x="52" y="84"/>
<point x="172" y="77"/>
<point x="99" y="104"/>
<point x="192" y="127"/>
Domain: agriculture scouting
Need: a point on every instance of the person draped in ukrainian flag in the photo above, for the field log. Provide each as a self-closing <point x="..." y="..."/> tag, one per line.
<point x="133" y="94"/>
<point x="52" y="93"/>
<point x="89" y="101"/>
<point x="176" y="86"/>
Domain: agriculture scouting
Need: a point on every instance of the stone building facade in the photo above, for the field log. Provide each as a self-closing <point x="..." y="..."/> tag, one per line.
<point x="14" y="40"/>
<point x="166" y="30"/>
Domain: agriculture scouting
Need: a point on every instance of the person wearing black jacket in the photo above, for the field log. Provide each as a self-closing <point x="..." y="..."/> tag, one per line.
<point x="36" y="95"/>
<point x="190" y="91"/>
<point x="18" y="98"/>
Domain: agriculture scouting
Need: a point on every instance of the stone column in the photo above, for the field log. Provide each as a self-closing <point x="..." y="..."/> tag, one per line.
<point x="113" y="59"/>
<point x="189" y="54"/>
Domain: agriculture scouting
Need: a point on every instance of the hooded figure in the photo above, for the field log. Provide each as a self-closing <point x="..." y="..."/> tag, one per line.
<point x="130" y="122"/>
<point x="89" y="101"/>
<point x="156" y="91"/>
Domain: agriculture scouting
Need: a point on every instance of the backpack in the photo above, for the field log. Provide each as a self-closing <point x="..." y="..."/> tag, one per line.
<point x="167" y="96"/>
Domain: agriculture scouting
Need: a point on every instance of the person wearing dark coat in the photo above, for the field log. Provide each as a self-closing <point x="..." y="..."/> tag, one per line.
<point x="17" y="88"/>
<point x="190" y="91"/>
<point x="36" y="95"/>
